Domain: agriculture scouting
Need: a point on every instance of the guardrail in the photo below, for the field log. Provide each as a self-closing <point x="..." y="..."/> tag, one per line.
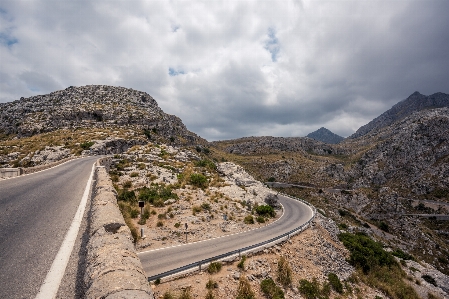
<point x="240" y="251"/>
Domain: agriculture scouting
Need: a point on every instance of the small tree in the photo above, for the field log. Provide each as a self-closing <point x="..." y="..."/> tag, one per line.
<point x="284" y="272"/>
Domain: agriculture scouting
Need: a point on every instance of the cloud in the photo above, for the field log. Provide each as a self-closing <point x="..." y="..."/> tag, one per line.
<point x="234" y="68"/>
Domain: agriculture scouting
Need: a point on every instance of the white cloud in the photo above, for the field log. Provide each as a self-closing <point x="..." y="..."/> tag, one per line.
<point x="233" y="68"/>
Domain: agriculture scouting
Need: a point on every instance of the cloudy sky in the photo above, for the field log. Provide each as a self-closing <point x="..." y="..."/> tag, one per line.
<point x="233" y="68"/>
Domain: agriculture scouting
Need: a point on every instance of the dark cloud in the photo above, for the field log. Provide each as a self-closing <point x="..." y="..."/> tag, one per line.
<point x="234" y="68"/>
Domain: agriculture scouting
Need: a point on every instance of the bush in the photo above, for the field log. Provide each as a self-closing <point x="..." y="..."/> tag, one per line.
<point x="365" y="253"/>
<point x="157" y="194"/>
<point x="271" y="179"/>
<point x="270" y="289"/>
<point x="241" y="264"/>
<point x="265" y="210"/>
<point x="127" y="184"/>
<point x="244" y="289"/>
<point x="199" y="180"/>
<point x="205" y="206"/>
<point x="383" y="226"/>
<point x="310" y="290"/>
<point x="249" y="219"/>
<point x="134" y="213"/>
<point x="177" y="224"/>
<point x="185" y="294"/>
<point x="214" y="267"/>
<point x="86" y="145"/>
<point x="260" y="219"/>
<point x="134" y="174"/>
<point x="403" y="255"/>
<point x="335" y="282"/>
<point x="126" y="195"/>
<point x="160" y="224"/>
<point x="211" y="284"/>
<point x="206" y="163"/>
<point x="284" y="272"/>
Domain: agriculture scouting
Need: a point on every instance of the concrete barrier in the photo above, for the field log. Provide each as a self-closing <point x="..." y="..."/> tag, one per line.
<point x="113" y="268"/>
<point x="10" y="172"/>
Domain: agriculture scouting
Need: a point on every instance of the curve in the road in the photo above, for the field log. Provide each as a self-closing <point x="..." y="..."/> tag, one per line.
<point x="156" y="262"/>
<point x="36" y="211"/>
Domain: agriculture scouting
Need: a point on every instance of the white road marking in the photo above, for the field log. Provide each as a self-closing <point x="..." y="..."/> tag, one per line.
<point x="50" y="287"/>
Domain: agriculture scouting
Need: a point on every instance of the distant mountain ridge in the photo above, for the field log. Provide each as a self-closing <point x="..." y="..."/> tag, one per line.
<point x="93" y="106"/>
<point x="326" y="136"/>
<point x="415" y="102"/>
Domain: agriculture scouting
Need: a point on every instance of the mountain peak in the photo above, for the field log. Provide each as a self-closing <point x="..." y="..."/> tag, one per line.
<point x="325" y="135"/>
<point x="414" y="103"/>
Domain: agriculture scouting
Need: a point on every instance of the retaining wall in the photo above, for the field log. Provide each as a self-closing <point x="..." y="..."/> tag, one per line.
<point x="113" y="267"/>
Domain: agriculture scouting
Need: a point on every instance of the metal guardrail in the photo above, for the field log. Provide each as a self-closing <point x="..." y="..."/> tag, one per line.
<point x="238" y="251"/>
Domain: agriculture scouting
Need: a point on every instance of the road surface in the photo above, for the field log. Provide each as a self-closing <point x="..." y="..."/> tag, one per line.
<point x="36" y="211"/>
<point x="155" y="262"/>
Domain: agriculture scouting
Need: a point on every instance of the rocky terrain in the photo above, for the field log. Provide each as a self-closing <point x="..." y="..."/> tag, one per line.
<point x="326" y="136"/>
<point x="93" y="106"/>
<point x="223" y="203"/>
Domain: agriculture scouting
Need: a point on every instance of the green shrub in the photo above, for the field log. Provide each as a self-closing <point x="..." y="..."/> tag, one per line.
<point x="284" y="272"/>
<point x="214" y="267"/>
<point x="126" y="195"/>
<point x="177" y="224"/>
<point x="365" y="253"/>
<point x="127" y="184"/>
<point x="383" y="226"/>
<point x="310" y="290"/>
<point x="134" y="213"/>
<point x="335" y="282"/>
<point x="160" y="224"/>
<point x="271" y="290"/>
<point x="206" y="163"/>
<point x="244" y="290"/>
<point x="156" y="194"/>
<point x="134" y="174"/>
<point x="86" y="145"/>
<point x="241" y="264"/>
<point x="271" y="179"/>
<point x="249" y="219"/>
<point x="401" y="254"/>
<point x="199" y="180"/>
<point x="196" y="209"/>
<point x="265" y="210"/>
<point x="211" y="284"/>
<point x="209" y="295"/>
<point x="260" y="219"/>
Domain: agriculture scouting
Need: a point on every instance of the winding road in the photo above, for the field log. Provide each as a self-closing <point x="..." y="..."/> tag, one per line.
<point x="159" y="261"/>
<point x="36" y="212"/>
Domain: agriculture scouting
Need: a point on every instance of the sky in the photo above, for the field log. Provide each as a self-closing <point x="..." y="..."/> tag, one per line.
<point x="232" y="68"/>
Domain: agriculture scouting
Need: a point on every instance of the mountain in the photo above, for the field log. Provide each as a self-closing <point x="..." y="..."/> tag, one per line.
<point x="415" y="102"/>
<point x="326" y="136"/>
<point x="93" y="106"/>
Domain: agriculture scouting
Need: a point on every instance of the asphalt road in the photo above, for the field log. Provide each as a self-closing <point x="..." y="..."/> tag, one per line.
<point x="36" y="211"/>
<point x="156" y="262"/>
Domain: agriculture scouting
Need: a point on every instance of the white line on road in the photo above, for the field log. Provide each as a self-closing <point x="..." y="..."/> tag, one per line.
<point x="50" y="287"/>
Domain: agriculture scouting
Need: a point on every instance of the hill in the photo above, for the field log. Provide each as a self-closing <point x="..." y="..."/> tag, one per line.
<point x="326" y="136"/>
<point x="93" y="106"/>
<point x="415" y="102"/>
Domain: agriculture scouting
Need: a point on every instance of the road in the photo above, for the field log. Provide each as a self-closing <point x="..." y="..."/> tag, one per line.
<point x="36" y="211"/>
<point x="158" y="261"/>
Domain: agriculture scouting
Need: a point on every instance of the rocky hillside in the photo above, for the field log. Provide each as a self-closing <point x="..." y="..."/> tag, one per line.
<point x="326" y="136"/>
<point x="93" y="106"/>
<point x="415" y="102"/>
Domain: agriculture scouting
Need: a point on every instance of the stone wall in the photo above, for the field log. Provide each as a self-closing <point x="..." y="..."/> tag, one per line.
<point x="113" y="267"/>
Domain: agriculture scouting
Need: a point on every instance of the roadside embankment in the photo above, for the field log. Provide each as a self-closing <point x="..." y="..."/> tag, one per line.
<point x="113" y="268"/>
